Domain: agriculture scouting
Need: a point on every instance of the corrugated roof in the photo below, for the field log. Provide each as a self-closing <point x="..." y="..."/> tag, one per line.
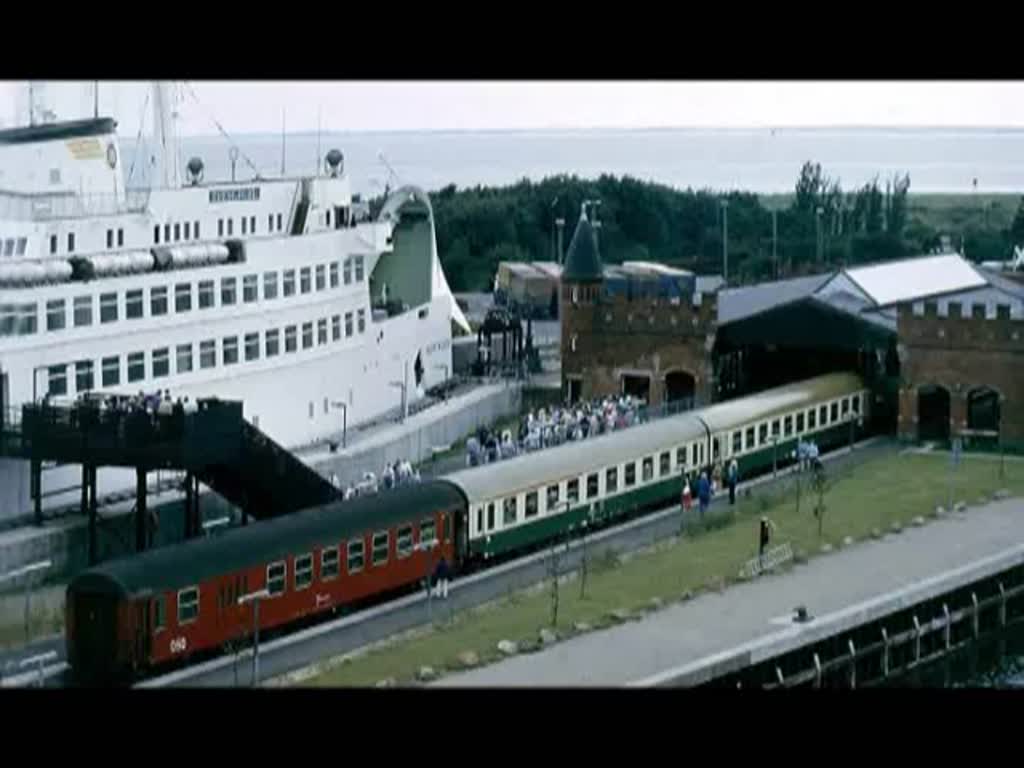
<point x="194" y="561"/>
<point x="739" y="303"/>
<point x="909" y="279"/>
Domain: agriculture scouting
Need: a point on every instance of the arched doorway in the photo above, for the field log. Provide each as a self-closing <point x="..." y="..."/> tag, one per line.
<point x="932" y="413"/>
<point x="983" y="409"/>
<point x="637" y="385"/>
<point x="679" y="386"/>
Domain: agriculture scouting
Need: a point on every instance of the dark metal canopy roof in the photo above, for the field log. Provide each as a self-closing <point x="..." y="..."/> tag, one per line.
<point x="583" y="261"/>
<point x="190" y="563"/>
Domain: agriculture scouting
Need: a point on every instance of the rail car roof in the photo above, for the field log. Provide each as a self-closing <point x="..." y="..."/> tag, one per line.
<point x="772" y="402"/>
<point x="195" y="561"/>
<point x="575" y="458"/>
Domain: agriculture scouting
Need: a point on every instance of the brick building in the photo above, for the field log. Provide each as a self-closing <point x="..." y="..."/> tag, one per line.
<point x="642" y="331"/>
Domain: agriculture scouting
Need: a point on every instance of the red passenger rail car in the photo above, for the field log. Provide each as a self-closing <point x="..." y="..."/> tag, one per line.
<point x="131" y="617"/>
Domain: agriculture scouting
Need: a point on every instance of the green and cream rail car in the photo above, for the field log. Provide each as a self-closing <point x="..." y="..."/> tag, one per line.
<point x="523" y="503"/>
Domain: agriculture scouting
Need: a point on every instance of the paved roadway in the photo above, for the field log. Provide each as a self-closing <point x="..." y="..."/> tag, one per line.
<point x="685" y="633"/>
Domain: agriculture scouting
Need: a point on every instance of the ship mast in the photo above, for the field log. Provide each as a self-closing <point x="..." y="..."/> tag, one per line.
<point x="165" y="134"/>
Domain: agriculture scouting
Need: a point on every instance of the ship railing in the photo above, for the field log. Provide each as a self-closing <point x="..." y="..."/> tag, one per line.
<point x="20" y="206"/>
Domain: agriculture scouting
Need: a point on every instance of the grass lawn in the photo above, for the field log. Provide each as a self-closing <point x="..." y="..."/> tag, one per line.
<point x="874" y="494"/>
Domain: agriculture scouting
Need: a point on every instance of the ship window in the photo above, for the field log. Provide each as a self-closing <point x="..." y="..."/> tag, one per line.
<point x="167" y="233"/>
<point x="220" y="227"/>
<point x="290" y="340"/>
<point x="120" y="237"/>
<point x="348" y="270"/>
<point x="207" y="354"/>
<point x="329" y="564"/>
<point x="245" y="224"/>
<point x="348" y="324"/>
<point x="250" y="288"/>
<point x="156" y="234"/>
<point x="252" y="346"/>
<point x="275" y="578"/>
<point x="188" y="605"/>
<point x="71" y="242"/>
<point x="230" y="350"/>
<point x="270" y="285"/>
<point x="22" y="245"/>
<point x="321" y="331"/>
<point x="327" y="218"/>
<point x="380" y="547"/>
<point x="184" y="358"/>
<point x="231" y="227"/>
<point x="195" y="229"/>
<point x="227" y="291"/>
<point x="53" y="243"/>
<point x="305" y="284"/>
<point x="83" y="376"/>
<point x="157" y="301"/>
<point x="83" y="311"/>
<point x="252" y="225"/>
<point x="110" y="238"/>
<point x="273" y="342"/>
<point x="58" y="380"/>
<point x="161" y="362"/>
<point x="321" y="277"/>
<point x="362" y="320"/>
<point x="270" y="222"/>
<point x="289" y="282"/>
<point x="111" y="371"/>
<point x="279" y="226"/>
<point x="108" y="307"/>
<point x="7" y="247"/>
<point x="334" y="274"/>
<point x="133" y="304"/>
<point x="359" y="269"/>
<point x="55" y="316"/>
<point x="136" y="366"/>
<point x="303" y="571"/>
<point x="183" y="297"/>
<point x="188" y="230"/>
<point x="307" y="335"/>
<point x="205" y="294"/>
<point x="355" y="556"/>
<point x="509" y="512"/>
<point x="335" y="327"/>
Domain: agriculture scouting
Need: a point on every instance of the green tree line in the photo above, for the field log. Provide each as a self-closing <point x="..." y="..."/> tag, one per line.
<point x="479" y="227"/>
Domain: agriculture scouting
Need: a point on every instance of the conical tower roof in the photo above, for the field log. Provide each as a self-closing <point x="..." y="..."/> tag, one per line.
<point x="583" y="261"/>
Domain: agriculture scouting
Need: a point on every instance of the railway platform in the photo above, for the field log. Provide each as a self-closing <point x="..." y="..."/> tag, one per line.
<point x="682" y="641"/>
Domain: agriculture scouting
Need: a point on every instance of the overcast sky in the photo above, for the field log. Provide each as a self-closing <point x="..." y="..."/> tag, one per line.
<point x="256" y="107"/>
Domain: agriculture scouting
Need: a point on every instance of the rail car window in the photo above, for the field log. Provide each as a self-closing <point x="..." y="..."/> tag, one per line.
<point x="380" y="547"/>
<point x="592" y="485"/>
<point x="531" y="504"/>
<point x="629" y="474"/>
<point x="750" y="439"/>
<point x="833" y="415"/>
<point x="404" y="542"/>
<point x="188" y="605"/>
<point x="681" y="457"/>
<point x="553" y="492"/>
<point x="427" y="533"/>
<point x="355" y="556"/>
<point x="788" y="423"/>
<point x="611" y="480"/>
<point x="509" y="511"/>
<point x="303" y="571"/>
<point x="823" y="415"/>
<point x="800" y="422"/>
<point x="329" y="564"/>
<point x="572" y="489"/>
<point x="812" y="418"/>
<point x="737" y="441"/>
<point x="490" y="516"/>
<point x="855" y="402"/>
<point x="275" y="578"/>
<point x="665" y="464"/>
<point x="647" y="469"/>
<point x="693" y="455"/>
<point x="159" y="619"/>
<point x="846" y="405"/>
<point x="479" y="519"/>
<point x="775" y="428"/>
<point x="715" y="448"/>
<point x="762" y="434"/>
<point x="448" y="527"/>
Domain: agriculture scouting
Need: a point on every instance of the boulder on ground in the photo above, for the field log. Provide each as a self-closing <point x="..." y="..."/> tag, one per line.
<point x="425" y="674"/>
<point x="469" y="659"/>
<point x="547" y="637"/>
<point x="508" y="648"/>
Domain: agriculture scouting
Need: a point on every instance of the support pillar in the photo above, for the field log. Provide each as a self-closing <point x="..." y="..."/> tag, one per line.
<point x="36" y="483"/>
<point x="140" y="509"/>
<point x="957" y="412"/>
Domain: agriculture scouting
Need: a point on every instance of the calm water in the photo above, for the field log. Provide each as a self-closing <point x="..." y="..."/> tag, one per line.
<point x="938" y="160"/>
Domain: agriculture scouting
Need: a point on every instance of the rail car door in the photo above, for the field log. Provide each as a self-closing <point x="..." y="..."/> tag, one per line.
<point x="143" y="624"/>
<point x="461" y="535"/>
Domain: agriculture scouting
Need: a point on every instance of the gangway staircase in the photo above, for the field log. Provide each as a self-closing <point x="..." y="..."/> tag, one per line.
<point x="212" y="444"/>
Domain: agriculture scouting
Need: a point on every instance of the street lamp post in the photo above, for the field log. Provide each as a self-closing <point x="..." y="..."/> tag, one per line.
<point x="254" y="598"/>
<point x="41" y="565"/>
<point x="344" y="419"/>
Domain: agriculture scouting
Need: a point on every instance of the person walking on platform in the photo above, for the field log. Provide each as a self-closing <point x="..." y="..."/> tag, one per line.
<point x="767" y="528"/>
<point x="441" y="576"/>
<point x="704" y="493"/>
<point x="734" y="477"/>
<point x="687" y="498"/>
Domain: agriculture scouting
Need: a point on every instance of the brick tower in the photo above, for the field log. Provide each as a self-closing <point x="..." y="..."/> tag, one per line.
<point x="580" y="291"/>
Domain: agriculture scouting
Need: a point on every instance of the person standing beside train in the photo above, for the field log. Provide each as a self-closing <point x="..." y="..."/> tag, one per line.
<point x="441" y="575"/>
<point x="734" y="478"/>
<point x="703" y="492"/>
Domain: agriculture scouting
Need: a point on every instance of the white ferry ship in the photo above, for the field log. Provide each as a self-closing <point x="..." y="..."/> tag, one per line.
<point x="281" y="293"/>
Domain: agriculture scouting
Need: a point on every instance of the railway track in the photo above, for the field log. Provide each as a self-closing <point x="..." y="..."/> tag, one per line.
<point x="303" y="648"/>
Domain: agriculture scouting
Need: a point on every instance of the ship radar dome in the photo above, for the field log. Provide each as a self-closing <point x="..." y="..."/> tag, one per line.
<point x="195" y="170"/>
<point x="335" y="162"/>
